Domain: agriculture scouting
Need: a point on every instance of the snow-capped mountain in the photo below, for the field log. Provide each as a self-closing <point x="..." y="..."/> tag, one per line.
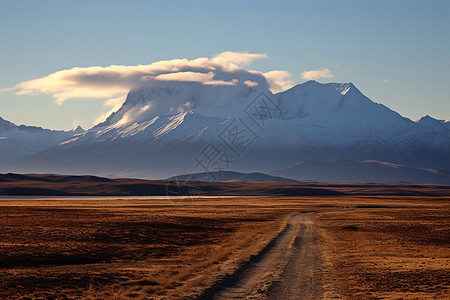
<point x="169" y="128"/>
<point x="17" y="142"/>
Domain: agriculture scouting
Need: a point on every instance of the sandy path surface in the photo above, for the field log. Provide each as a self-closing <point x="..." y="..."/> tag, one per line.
<point x="288" y="268"/>
<point x="302" y="276"/>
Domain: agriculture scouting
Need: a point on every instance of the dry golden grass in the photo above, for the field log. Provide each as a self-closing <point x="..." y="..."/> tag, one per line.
<point x="388" y="248"/>
<point x="135" y="248"/>
<point x="141" y="248"/>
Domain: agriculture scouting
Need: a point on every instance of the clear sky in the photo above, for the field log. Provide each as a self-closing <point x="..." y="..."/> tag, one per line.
<point x="397" y="52"/>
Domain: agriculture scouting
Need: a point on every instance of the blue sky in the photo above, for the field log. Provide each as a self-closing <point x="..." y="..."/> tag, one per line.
<point x="396" y="52"/>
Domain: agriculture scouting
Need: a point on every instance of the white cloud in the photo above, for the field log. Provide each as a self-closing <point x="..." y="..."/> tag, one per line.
<point x="278" y="80"/>
<point x="250" y="83"/>
<point x="317" y="74"/>
<point x="230" y="59"/>
<point x="221" y="82"/>
<point x="114" y="104"/>
<point x="112" y="83"/>
<point x="8" y="89"/>
<point x="90" y="82"/>
<point x="186" y="76"/>
<point x="133" y="113"/>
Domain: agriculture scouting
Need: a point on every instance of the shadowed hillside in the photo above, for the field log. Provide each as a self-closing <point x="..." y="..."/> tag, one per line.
<point x="63" y="185"/>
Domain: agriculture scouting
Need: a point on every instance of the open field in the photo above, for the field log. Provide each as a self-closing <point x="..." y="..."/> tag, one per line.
<point x="354" y="247"/>
<point x="389" y="248"/>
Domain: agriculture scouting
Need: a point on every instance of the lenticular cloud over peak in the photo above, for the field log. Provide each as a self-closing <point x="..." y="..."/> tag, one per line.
<point x="116" y="80"/>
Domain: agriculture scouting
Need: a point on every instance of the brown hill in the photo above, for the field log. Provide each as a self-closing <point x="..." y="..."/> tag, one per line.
<point x="65" y="185"/>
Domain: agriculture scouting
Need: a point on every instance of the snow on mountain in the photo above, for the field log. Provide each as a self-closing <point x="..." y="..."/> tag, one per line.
<point x="337" y="104"/>
<point x="17" y="142"/>
<point x="161" y="129"/>
<point x="169" y="98"/>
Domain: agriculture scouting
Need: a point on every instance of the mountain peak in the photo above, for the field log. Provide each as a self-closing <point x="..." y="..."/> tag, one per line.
<point x="342" y="88"/>
<point x="323" y="101"/>
<point x="310" y="82"/>
<point x="431" y="123"/>
<point x="427" y="118"/>
<point x="170" y="98"/>
<point x="78" y="129"/>
<point x="6" y="125"/>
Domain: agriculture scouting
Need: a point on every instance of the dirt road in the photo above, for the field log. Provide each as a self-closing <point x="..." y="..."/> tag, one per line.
<point x="288" y="268"/>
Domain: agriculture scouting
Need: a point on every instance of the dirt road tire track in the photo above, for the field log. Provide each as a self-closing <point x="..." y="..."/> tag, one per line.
<point x="289" y="267"/>
<point x="302" y="276"/>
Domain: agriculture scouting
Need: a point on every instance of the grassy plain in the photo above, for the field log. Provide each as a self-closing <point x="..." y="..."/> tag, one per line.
<point x="388" y="248"/>
<point x="148" y="248"/>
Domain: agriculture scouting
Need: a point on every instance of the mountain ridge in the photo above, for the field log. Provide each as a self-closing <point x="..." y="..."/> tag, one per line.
<point x="161" y="129"/>
<point x="20" y="141"/>
<point x="229" y="176"/>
